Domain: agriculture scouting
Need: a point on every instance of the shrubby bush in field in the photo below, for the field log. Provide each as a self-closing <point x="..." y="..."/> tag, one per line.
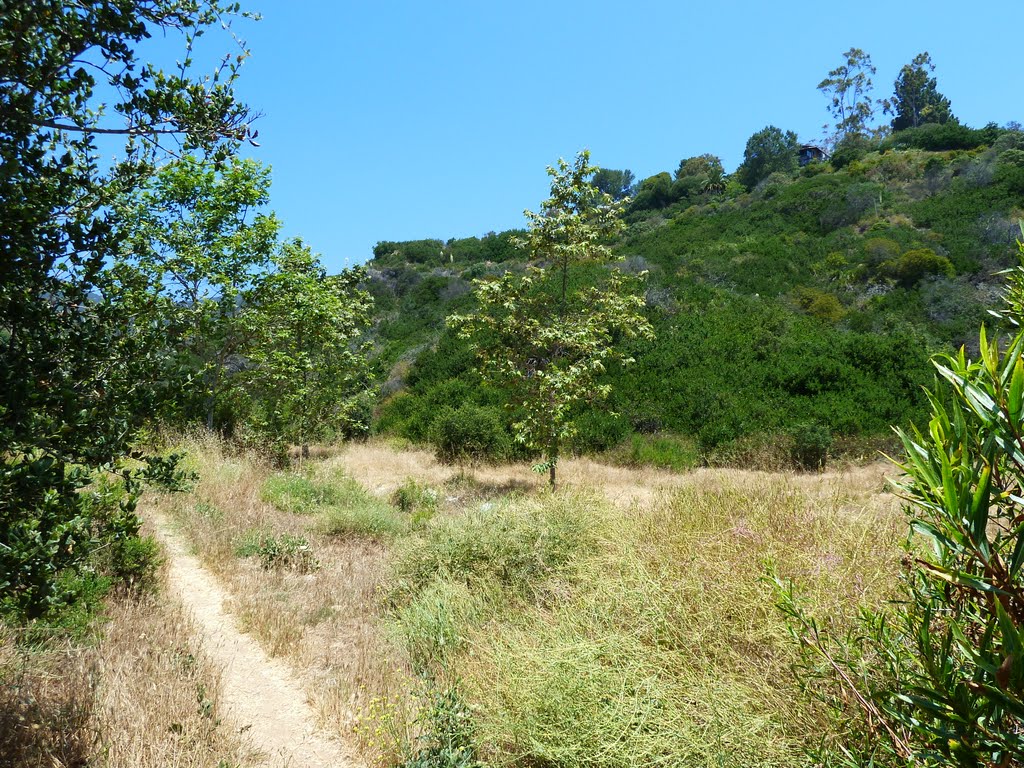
<point x="470" y="434"/>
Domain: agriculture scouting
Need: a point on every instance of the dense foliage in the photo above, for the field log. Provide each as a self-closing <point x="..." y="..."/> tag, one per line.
<point x="79" y="375"/>
<point x="812" y="299"/>
<point x="936" y="678"/>
<point x="136" y="288"/>
<point x="304" y="374"/>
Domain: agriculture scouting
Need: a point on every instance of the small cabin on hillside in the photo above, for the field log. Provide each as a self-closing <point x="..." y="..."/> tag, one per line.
<point x="812" y="153"/>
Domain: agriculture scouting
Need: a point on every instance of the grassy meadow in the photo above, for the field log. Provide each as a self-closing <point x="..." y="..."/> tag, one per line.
<point x="440" y="615"/>
<point x="447" y="616"/>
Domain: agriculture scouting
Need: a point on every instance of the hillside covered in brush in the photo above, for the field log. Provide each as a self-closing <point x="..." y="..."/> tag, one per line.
<point x="787" y="298"/>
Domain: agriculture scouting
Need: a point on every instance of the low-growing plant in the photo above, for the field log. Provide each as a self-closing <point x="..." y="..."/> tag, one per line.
<point x="357" y="512"/>
<point x="665" y="451"/>
<point x="432" y="626"/>
<point x="278" y="552"/>
<point x="513" y="545"/>
<point x="299" y="494"/>
<point x="446" y="739"/>
<point x="416" y="500"/>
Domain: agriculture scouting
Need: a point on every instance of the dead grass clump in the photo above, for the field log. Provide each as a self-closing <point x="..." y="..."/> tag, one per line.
<point x="143" y="696"/>
<point x="158" y="700"/>
<point x="46" y="706"/>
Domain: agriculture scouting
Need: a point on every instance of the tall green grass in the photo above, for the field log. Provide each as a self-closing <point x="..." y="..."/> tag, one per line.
<point x="463" y="570"/>
<point x="342" y="506"/>
<point x="583" y="636"/>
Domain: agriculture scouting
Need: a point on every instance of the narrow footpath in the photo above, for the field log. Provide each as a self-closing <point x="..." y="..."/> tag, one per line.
<point x="259" y="695"/>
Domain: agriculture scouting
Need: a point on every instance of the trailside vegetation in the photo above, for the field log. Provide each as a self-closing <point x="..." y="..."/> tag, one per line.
<point x="936" y="676"/>
<point x="140" y="289"/>
<point x="80" y="376"/>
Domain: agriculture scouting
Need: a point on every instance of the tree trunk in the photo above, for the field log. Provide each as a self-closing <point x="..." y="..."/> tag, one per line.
<point x="552" y="458"/>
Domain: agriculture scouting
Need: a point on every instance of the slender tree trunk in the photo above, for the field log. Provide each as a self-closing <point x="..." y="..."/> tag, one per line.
<point x="211" y="398"/>
<point x="552" y="458"/>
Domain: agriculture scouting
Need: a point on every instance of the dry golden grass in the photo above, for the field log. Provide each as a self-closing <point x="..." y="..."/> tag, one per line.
<point x="323" y="623"/>
<point x="382" y="469"/>
<point x="143" y="696"/>
<point x="684" y="555"/>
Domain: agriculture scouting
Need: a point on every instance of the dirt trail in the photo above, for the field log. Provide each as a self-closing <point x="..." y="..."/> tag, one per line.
<point x="259" y="694"/>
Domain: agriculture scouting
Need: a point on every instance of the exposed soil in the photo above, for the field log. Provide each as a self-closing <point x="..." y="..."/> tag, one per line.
<point x="260" y="697"/>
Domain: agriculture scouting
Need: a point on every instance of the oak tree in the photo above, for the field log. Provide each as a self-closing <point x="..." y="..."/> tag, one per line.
<point x="77" y="373"/>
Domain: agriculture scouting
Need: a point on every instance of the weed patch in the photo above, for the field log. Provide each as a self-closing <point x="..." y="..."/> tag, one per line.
<point x="300" y="495"/>
<point x="516" y="546"/>
<point x="280" y="552"/>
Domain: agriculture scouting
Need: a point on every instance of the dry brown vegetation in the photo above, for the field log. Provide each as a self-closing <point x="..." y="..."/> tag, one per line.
<point x="684" y="552"/>
<point x="320" y="615"/>
<point x="143" y="695"/>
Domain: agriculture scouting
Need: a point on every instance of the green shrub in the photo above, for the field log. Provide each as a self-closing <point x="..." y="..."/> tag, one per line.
<point x="598" y="430"/>
<point x="811" y="444"/>
<point x="938" y="137"/>
<point x="914" y="265"/>
<point x="665" y="451"/>
<point x="513" y="546"/>
<point x="1013" y="157"/>
<point x="403" y="414"/>
<point x="850" y="149"/>
<point x="298" y="494"/>
<point x="134" y="562"/>
<point x="469" y="433"/>
<point x="284" y="552"/>
<point x="416" y="500"/>
<point x="819" y="304"/>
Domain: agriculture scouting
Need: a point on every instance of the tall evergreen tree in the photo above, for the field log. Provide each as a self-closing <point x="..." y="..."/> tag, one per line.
<point x="916" y="98"/>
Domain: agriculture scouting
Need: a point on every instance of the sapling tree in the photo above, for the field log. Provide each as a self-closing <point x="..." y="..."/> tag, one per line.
<point x="305" y="369"/>
<point x="540" y="336"/>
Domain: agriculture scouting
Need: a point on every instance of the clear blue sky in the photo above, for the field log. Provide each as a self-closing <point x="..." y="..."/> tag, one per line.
<point x="403" y="120"/>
